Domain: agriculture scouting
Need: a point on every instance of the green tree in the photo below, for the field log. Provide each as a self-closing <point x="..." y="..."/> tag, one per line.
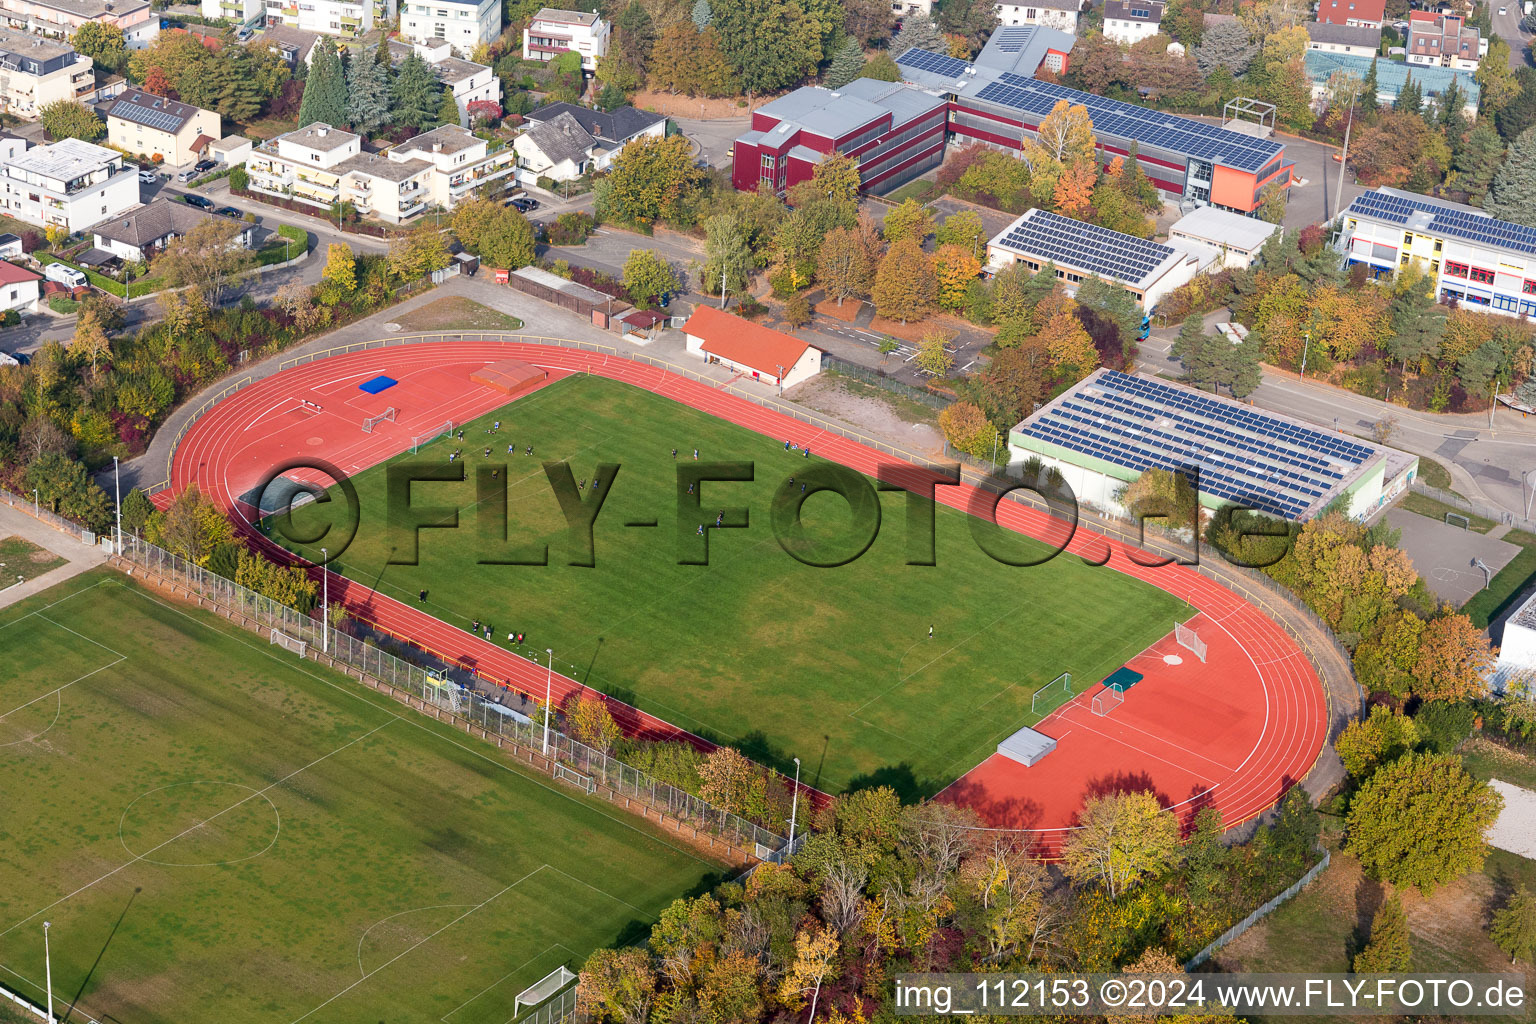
<point x="137" y="508"/>
<point x="727" y="256"/>
<point x="414" y="96"/>
<point x="1410" y="98"/>
<point x="701" y="14"/>
<point x="1479" y="159"/>
<point x="1514" y="926"/>
<point x="909" y="220"/>
<point x="847" y="64"/>
<point x="837" y="179"/>
<point x="419" y="253"/>
<point x="933" y="355"/>
<point x="882" y="68"/>
<point x="207" y="257"/>
<point x="340" y="270"/>
<point x="368" y="83"/>
<point x="1512" y="196"/>
<point x="103" y="43"/>
<point x="1121" y="838"/>
<point x="1420" y="821"/>
<point x="905" y="287"/>
<point x="66" y="119"/>
<point x="1418" y="321"/>
<point x="1197" y="352"/>
<point x="648" y="278"/>
<point x="965" y="230"/>
<point x="325" y="89"/>
<point x="226" y="82"/>
<point x="917" y="30"/>
<point x="844" y="265"/>
<point x="649" y="179"/>
<point x="1388" y="951"/>
<point x="770" y="44"/>
<point x="507" y="241"/>
<point x="448" y="109"/>
<point x="1383" y="737"/>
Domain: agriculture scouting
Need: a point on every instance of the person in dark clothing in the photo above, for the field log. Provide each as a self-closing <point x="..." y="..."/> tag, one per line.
<point x="422" y="597"/>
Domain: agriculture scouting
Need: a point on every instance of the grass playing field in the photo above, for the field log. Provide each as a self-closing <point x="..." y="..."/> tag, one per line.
<point x="218" y="831"/>
<point x="757" y="649"/>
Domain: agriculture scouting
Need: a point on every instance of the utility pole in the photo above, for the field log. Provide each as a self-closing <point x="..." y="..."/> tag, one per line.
<point x="794" y="805"/>
<point x="549" y="683"/>
<point x="1304" y="347"/>
<point x="117" y="486"/>
<point x="325" y="603"/>
<point x="48" y="970"/>
<point x="1349" y="122"/>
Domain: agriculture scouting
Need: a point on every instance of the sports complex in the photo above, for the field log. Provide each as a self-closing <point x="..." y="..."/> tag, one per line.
<point x="252" y="789"/>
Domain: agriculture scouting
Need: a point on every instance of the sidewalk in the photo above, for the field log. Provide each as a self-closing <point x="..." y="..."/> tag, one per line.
<point x="16" y="523"/>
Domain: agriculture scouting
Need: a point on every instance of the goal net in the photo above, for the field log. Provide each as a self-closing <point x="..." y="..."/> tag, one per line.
<point x="1107" y="700"/>
<point x="575" y="778"/>
<point x="289" y="643"/>
<point x="443" y="430"/>
<point x="388" y="415"/>
<point x="1189" y="640"/>
<point x="542" y="989"/>
<point x="1052" y="695"/>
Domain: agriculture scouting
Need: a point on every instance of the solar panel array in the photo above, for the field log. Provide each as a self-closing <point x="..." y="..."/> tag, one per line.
<point x="162" y="120"/>
<point x="1086" y="246"/>
<point x="937" y="63"/>
<point x="1447" y="221"/>
<point x="1243" y="455"/>
<point x="1012" y="39"/>
<point x="1115" y="119"/>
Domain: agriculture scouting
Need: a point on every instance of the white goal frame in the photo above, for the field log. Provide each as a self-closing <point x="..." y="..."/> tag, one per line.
<point x="1106" y="700"/>
<point x="443" y="430"/>
<point x="542" y="989"/>
<point x="1065" y="679"/>
<point x="1189" y="640"/>
<point x="373" y="421"/>
<point x="582" y="782"/>
<point x="289" y="643"/>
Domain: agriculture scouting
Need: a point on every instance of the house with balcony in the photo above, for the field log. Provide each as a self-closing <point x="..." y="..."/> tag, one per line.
<point x="343" y="19"/>
<point x="462" y="24"/>
<point x="463" y="164"/>
<point x="35" y="71"/>
<point x="69" y="184"/>
<point x="1058" y="14"/>
<point x="469" y="82"/>
<point x="552" y="32"/>
<point x="241" y="12"/>
<point x="60" y="19"/>
<point x="179" y="133"/>
<point x="320" y="166"/>
<point x="1444" y="41"/>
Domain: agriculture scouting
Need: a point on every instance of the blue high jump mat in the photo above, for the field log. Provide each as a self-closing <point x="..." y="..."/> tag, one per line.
<point x="1122" y="679"/>
<point x="379" y="383"/>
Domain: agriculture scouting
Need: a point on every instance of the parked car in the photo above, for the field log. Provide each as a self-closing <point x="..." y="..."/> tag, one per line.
<point x="526" y="204"/>
<point x="148" y="177"/>
<point x="1503" y="11"/>
<point x="186" y="176"/>
<point x="199" y="202"/>
<point x="229" y="211"/>
<point x="204" y="166"/>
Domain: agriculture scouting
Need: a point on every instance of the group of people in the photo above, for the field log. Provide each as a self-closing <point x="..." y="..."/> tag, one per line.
<point x="790" y="446"/>
<point x="479" y="629"/>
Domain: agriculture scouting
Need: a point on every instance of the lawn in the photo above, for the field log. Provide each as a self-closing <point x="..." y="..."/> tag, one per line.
<point x="21" y="560"/>
<point x="1434" y="474"/>
<point x="757" y="649"/>
<point x="1508" y="583"/>
<point x="456" y="313"/>
<point x="1424" y="505"/>
<point x="219" y="831"/>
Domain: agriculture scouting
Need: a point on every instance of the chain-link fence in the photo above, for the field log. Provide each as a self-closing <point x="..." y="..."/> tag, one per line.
<point x="561" y="1008"/>
<point x="439" y="688"/>
<point x="885" y="382"/>
<point x="1476" y="508"/>
<point x="33" y="507"/>
<point x="1258" y="915"/>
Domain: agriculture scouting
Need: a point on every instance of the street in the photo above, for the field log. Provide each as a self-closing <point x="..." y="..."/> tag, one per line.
<point x="1507" y="25"/>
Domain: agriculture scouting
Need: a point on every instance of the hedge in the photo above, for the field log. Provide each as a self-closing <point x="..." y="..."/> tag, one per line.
<point x="205" y="179"/>
<point x="293" y="233"/>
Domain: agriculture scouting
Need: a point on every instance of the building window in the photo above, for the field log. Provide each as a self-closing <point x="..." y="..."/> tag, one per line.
<point x="1453" y="269"/>
<point x="1529" y="287"/>
<point x="1482" y="276"/>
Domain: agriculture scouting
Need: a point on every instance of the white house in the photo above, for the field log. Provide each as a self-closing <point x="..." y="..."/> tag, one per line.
<point x="320" y="165"/>
<point x="139" y="233"/>
<point x="770" y="356"/>
<point x="462" y="163"/>
<point x="35" y="72"/>
<point x="463" y="24"/>
<point x="344" y="19"/>
<point x="469" y="82"/>
<point x="1058" y="14"/>
<point x="20" y="288"/>
<point x="1444" y="40"/>
<point x="69" y="183"/>
<point x="241" y="12"/>
<point x="552" y="32"/>
<point x="558" y="148"/>
<point x="610" y="130"/>
<point x="1130" y="21"/>
<point x="1355" y="40"/>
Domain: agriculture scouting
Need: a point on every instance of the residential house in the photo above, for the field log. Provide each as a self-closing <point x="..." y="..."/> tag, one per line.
<point x="1355" y="40"/>
<point x="611" y="130"/>
<point x="1058" y="14"/>
<point x="319" y="165"/>
<point x="1444" y="40"/>
<point x="295" y="46"/>
<point x="344" y="19"/>
<point x="162" y="129"/>
<point x="1130" y="21"/>
<point x="902" y="8"/>
<point x="12" y="146"/>
<point x="60" y="19"/>
<point x="773" y="357"/>
<point x="462" y="163"/>
<point x="69" y="184"/>
<point x="552" y="32"/>
<point x="241" y="12"/>
<point x="138" y="233"/>
<point x="469" y="82"/>
<point x="20" y="288"/>
<point x="465" y="25"/>
<point x="560" y="149"/>
<point x="35" y="72"/>
<point x="1368" y="13"/>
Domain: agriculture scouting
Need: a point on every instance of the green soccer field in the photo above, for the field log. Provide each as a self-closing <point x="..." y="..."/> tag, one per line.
<point x="218" y="831"/>
<point x="833" y="665"/>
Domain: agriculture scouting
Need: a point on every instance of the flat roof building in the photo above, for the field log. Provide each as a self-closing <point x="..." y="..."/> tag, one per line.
<point x="1109" y="428"/>
<point x="1237" y="238"/>
<point x="1078" y="251"/>
<point x="69" y="183"/>
<point x="1473" y="259"/>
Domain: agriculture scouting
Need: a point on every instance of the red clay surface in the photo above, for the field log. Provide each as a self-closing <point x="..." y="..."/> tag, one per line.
<point x="1233" y="733"/>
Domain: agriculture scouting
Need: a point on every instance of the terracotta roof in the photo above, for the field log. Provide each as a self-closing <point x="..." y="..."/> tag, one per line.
<point x="199" y="143"/>
<point x="744" y="342"/>
<point x="10" y="273"/>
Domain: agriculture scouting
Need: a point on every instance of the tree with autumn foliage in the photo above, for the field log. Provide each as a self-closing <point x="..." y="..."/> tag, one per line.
<point x="1121" y="838"/>
<point x="1070" y="348"/>
<point x="954" y="267"/>
<point x="1073" y="194"/>
<point x="845" y="266"/>
<point x="590" y="721"/>
<point x="967" y="428"/>
<point x="909" y="220"/>
<point x="905" y="287"/>
<point x="933" y="355"/>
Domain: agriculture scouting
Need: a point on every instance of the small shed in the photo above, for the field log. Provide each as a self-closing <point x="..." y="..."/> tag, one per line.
<point x="753" y="350"/>
<point x="641" y="325"/>
<point x="231" y="150"/>
<point x="601" y="309"/>
<point x="1026" y="747"/>
<point x="467" y="262"/>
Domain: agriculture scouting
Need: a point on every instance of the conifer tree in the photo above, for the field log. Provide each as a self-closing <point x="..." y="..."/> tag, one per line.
<point x="368" y="93"/>
<point x="702" y="15"/>
<point x="414" y="97"/>
<point x="1512" y="196"/>
<point x="325" y="90"/>
<point x="847" y="64"/>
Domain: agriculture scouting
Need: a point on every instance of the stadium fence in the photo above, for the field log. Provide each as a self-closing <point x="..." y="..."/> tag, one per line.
<point x="1477" y="508"/>
<point x="425" y="685"/>
<point x="935" y="399"/>
<point x="35" y="509"/>
<point x="1257" y="915"/>
<point x="560" y="1008"/>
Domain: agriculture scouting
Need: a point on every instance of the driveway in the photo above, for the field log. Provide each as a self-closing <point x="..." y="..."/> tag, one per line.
<point x="714" y="136"/>
<point x="608" y="248"/>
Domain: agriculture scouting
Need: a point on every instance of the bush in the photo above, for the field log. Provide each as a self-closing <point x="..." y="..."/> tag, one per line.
<point x="10" y="318"/>
<point x="570" y="229"/>
<point x="294" y="234"/>
<point x="751" y="308"/>
<point x="547" y="183"/>
<point x="62" y="304"/>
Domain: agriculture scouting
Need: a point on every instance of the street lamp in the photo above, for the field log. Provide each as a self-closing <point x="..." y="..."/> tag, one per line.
<point x="325" y="603"/>
<point x="1529" y="494"/>
<point x="35" y="507"/>
<point x="117" y="487"/>
<point x="549" y="683"/>
<point x="48" y="970"/>
<point x="794" y="805"/>
<point x="1305" y="345"/>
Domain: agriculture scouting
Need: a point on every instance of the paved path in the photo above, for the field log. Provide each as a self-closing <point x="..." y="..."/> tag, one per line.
<point x="16" y="523"/>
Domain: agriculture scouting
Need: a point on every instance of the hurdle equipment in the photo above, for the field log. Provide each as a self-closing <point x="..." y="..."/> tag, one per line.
<point x="443" y="430"/>
<point x="289" y="643"/>
<point x="1106" y="700"/>
<point x="309" y="406"/>
<point x="1189" y="640"/>
<point x="1051" y="696"/>
<point x="388" y="415"/>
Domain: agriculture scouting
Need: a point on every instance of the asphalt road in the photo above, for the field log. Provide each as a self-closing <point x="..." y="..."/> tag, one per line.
<point x="1507" y="25"/>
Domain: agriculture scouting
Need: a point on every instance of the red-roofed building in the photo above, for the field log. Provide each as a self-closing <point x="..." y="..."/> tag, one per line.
<point x="19" y="287"/>
<point x="1362" y="13"/>
<point x="762" y="353"/>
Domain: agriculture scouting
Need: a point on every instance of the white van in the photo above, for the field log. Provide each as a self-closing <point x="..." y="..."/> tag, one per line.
<point x="67" y="276"/>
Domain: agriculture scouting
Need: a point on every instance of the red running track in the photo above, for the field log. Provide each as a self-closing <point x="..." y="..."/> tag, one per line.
<point x="1233" y="733"/>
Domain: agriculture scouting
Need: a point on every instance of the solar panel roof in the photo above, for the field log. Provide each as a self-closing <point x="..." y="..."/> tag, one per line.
<point x="938" y="63"/>
<point x="1444" y="219"/>
<point x="1088" y="247"/>
<point x="1243" y="454"/>
<point x="1127" y="121"/>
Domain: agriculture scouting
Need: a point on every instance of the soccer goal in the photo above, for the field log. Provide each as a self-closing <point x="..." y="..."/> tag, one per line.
<point x="1107" y="700"/>
<point x="575" y="778"/>
<point x="1189" y="640"/>
<point x="1052" y="695"/>
<point x="387" y="416"/>
<point x="443" y="430"/>
<point x="1460" y="520"/>
<point x="287" y="642"/>
<point x="542" y="989"/>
